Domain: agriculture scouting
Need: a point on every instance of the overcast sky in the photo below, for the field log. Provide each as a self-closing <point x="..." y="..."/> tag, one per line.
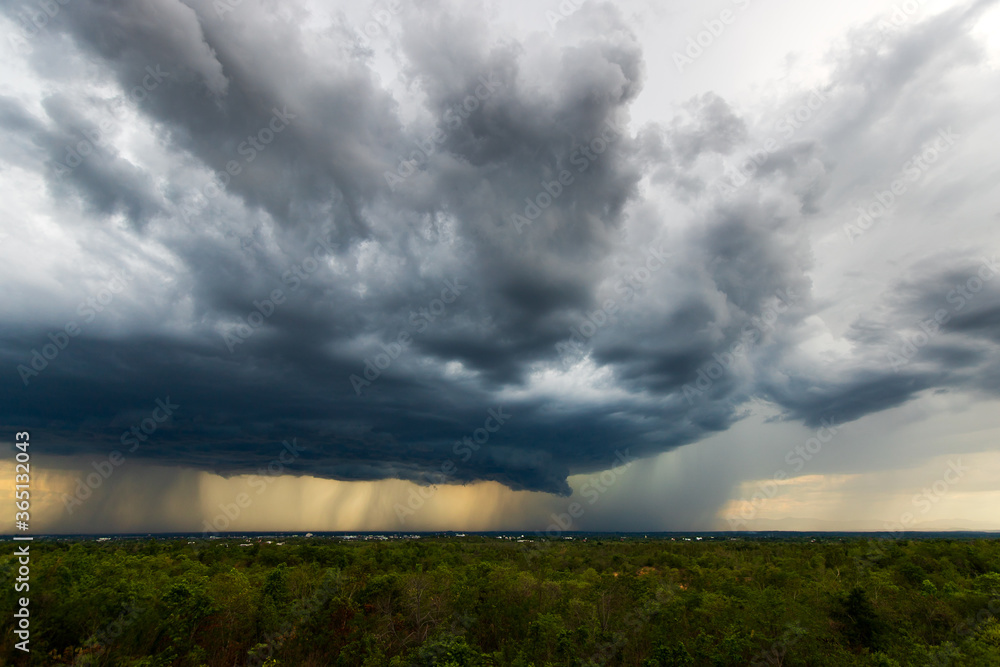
<point x="426" y="264"/>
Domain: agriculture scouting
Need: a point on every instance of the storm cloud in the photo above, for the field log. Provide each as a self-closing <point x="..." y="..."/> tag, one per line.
<point x="288" y="229"/>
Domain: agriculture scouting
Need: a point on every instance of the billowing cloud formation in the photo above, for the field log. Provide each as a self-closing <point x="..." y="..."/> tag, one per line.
<point x="475" y="267"/>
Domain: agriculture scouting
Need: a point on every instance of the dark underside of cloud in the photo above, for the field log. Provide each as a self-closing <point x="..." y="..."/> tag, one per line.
<point x="600" y="312"/>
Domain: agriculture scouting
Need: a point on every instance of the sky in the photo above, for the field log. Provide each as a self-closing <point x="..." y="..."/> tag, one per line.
<point x="438" y="265"/>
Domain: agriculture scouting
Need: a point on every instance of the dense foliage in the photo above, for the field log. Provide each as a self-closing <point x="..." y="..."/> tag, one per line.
<point x="483" y="601"/>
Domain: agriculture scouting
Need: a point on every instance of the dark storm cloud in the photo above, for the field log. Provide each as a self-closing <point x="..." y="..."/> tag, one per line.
<point x="488" y="229"/>
<point x="848" y="400"/>
<point x="939" y="326"/>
